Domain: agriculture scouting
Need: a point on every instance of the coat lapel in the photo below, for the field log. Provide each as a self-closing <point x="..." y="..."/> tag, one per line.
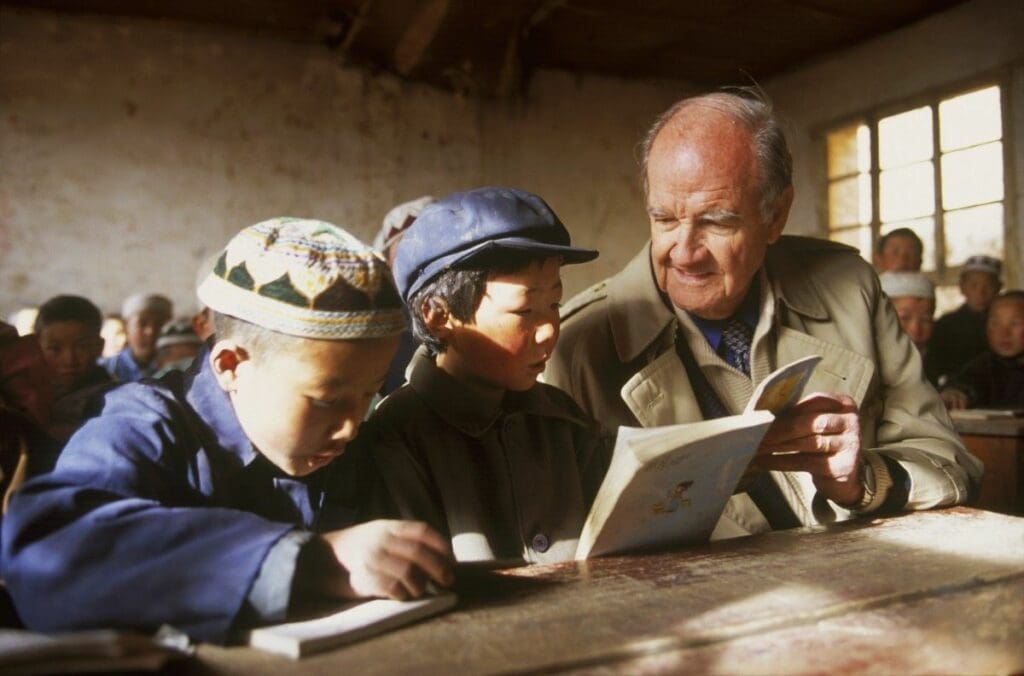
<point x="661" y="394"/>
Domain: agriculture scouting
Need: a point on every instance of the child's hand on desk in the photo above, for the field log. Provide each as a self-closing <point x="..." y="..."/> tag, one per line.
<point x="954" y="399"/>
<point x="395" y="559"/>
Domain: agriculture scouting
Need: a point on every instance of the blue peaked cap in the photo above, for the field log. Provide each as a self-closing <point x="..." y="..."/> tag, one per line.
<point x="466" y="224"/>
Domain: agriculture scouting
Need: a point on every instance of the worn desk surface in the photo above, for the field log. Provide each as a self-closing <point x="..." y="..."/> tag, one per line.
<point x="930" y="592"/>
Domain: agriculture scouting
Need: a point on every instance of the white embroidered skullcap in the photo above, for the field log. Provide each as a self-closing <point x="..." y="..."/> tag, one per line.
<point x="907" y="284"/>
<point x="143" y="302"/>
<point x="304" y="278"/>
<point x="988" y="264"/>
<point x="398" y="219"/>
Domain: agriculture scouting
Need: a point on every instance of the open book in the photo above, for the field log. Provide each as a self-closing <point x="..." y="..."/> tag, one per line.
<point x="669" y="485"/>
<point x="353" y="623"/>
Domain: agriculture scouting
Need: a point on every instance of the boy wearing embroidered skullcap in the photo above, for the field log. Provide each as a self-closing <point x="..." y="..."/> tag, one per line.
<point x="396" y="222"/>
<point x="913" y="297"/>
<point x="177" y="346"/>
<point x="144" y="315"/>
<point x="505" y="466"/>
<point x="218" y="499"/>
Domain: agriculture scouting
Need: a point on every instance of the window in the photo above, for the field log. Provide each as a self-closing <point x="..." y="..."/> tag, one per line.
<point x="936" y="168"/>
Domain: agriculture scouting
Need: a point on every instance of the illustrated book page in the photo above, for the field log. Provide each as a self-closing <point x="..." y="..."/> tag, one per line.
<point x="668" y="485"/>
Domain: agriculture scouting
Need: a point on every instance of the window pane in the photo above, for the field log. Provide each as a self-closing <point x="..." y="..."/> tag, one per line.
<point x="978" y="230"/>
<point x="849" y="201"/>
<point x="849" y="150"/>
<point x="972" y="176"/>
<point x="970" y="119"/>
<point x="907" y="192"/>
<point x="858" y="237"/>
<point x="905" y="138"/>
<point x="925" y="229"/>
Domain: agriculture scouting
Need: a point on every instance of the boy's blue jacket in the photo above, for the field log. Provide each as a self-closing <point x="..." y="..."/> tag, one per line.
<point x="159" y="511"/>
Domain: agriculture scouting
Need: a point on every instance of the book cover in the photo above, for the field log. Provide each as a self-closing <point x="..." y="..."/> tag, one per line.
<point x="668" y="485"/>
<point x="353" y="623"/>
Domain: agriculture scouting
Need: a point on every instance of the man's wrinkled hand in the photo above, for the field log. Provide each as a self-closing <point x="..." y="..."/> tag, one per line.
<point x="393" y="559"/>
<point x="819" y="435"/>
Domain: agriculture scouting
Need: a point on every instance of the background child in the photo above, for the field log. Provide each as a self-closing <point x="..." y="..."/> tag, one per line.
<point x="26" y="396"/>
<point x="505" y="466"/>
<point x="177" y="346"/>
<point x="69" y="335"/>
<point x="396" y="222"/>
<point x="960" y="335"/>
<point x="913" y="297"/>
<point x="899" y="251"/>
<point x="995" y="378"/>
<point x="113" y="336"/>
<point x="216" y="500"/>
<point x="144" y="315"/>
<point x="68" y="328"/>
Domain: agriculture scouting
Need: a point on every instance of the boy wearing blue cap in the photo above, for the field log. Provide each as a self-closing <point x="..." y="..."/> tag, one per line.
<point x="503" y="465"/>
<point x="216" y="499"/>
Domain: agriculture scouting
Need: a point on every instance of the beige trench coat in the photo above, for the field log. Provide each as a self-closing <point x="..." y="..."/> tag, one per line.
<point x="616" y="357"/>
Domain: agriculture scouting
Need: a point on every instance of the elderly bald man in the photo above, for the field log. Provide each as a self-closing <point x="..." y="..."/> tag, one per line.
<point x="718" y="298"/>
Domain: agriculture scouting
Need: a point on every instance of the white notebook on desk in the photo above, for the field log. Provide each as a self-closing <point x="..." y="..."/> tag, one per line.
<point x="354" y="623"/>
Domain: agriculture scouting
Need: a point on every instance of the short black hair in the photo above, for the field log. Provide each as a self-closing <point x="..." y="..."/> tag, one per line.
<point x="462" y="287"/>
<point x="66" y="308"/>
<point x="1009" y="294"/>
<point x="257" y="340"/>
<point x="900" y="232"/>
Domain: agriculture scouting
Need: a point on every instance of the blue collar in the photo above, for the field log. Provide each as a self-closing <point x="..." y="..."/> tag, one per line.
<point x="747" y="313"/>
<point x="213" y="406"/>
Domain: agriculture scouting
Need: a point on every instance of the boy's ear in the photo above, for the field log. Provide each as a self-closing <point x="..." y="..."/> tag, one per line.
<point x="437" y="317"/>
<point x="225" y="358"/>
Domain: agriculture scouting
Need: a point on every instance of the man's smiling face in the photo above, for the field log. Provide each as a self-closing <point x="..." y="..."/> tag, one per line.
<point x="708" y="235"/>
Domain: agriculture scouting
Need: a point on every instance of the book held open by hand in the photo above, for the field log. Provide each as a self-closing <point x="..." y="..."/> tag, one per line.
<point x="668" y="485"/>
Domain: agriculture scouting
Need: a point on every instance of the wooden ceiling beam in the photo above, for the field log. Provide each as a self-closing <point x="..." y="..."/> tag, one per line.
<point x="356" y="26"/>
<point x="419" y="35"/>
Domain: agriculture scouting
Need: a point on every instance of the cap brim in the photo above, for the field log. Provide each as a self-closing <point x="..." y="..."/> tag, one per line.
<point x="569" y="255"/>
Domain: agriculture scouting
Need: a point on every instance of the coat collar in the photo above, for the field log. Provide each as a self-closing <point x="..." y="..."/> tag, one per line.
<point x="454" y="402"/>
<point x="640" y="314"/>
<point x="797" y="291"/>
<point x="213" y="406"/>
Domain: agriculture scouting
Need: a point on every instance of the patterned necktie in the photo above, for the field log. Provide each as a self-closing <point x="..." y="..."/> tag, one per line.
<point x="735" y="346"/>
<point x="763" y="491"/>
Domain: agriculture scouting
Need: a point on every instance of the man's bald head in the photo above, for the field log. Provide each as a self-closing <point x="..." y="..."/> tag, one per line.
<point x="754" y="114"/>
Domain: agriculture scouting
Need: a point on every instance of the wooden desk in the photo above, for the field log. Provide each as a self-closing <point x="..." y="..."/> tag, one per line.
<point x="1000" y="445"/>
<point x="927" y="592"/>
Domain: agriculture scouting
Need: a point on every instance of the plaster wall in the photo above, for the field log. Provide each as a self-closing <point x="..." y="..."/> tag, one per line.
<point x="131" y="150"/>
<point x="954" y="48"/>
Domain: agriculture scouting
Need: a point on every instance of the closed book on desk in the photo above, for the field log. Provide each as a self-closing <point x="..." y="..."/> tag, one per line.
<point x="354" y="623"/>
<point x="986" y="413"/>
<point x="668" y="485"/>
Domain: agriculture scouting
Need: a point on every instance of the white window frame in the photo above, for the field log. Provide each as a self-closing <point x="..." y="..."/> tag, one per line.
<point x="943" y="275"/>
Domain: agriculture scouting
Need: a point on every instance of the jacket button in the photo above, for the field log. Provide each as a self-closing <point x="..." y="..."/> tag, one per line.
<point x="540" y="543"/>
